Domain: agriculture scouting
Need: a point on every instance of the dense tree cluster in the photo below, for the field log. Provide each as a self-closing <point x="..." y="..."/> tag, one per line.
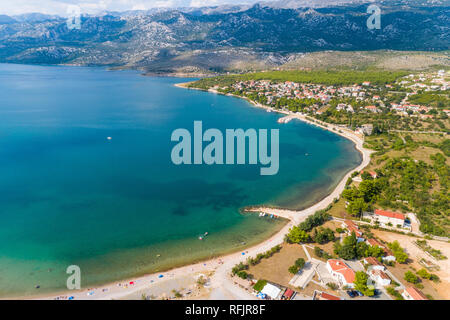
<point x="352" y="249"/>
<point x="361" y="284"/>
<point x="298" y="265"/>
<point x="323" y="235"/>
<point x="319" y="77"/>
<point x="314" y="220"/>
<point x="400" y="255"/>
<point x="362" y="198"/>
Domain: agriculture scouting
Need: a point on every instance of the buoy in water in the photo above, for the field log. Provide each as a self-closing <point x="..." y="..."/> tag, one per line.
<point x="109" y="138"/>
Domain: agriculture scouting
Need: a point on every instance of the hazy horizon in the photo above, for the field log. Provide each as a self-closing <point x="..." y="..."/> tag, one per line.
<point x="93" y="7"/>
<point x="60" y="7"/>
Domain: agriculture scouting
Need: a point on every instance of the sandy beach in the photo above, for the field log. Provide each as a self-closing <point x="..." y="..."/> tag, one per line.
<point x="220" y="285"/>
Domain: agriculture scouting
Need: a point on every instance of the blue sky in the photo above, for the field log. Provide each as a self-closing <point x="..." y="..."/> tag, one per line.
<point x="12" y="7"/>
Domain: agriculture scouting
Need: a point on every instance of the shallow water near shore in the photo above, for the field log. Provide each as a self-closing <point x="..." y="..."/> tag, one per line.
<point x="120" y="208"/>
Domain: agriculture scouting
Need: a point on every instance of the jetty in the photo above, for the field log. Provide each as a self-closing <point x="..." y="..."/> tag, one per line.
<point x="285" y="119"/>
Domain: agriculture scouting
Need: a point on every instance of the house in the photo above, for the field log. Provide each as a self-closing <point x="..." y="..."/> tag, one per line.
<point x="374" y="242"/>
<point x="341" y="272"/>
<point x="271" y="291"/>
<point x="386" y="217"/>
<point x="373" y="109"/>
<point x="379" y="277"/>
<point x="373" y="174"/>
<point x="288" y="294"/>
<point x="388" y="255"/>
<point x="350" y="226"/>
<point x="373" y="263"/>
<point x="320" y="295"/>
<point x="411" y="293"/>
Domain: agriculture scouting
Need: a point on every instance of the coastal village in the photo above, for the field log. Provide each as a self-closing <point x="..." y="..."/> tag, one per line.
<point x="344" y="247"/>
<point x="370" y="98"/>
<point x="382" y="275"/>
<point x="382" y="269"/>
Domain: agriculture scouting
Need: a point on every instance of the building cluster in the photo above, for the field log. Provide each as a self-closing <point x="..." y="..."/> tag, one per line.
<point x="322" y="93"/>
<point x="371" y="96"/>
<point x="426" y="82"/>
<point x="343" y="273"/>
<point x="432" y="83"/>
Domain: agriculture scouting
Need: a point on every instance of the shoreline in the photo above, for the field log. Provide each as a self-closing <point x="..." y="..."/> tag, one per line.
<point x="221" y="265"/>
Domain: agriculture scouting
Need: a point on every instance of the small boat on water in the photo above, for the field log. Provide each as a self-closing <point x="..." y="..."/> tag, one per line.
<point x="203" y="236"/>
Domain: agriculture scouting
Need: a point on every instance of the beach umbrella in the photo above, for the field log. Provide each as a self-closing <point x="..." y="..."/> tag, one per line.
<point x="160" y="276"/>
<point x="71" y="298"/>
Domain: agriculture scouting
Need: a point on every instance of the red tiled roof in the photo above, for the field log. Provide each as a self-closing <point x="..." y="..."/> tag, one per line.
<point x="390" y="214"/>
<point x="383" y="275"/>
<point x="352" y="227"/>
<point x="342" y="268"/>
<point x="416" y="294"/>
<point x="288" y="293"/>
<point x="373" y="261"/>
<point x="350" y="223"/>
<point x="328" y="296"/>
<point x="374" y="242"/>
<point x="380" y="273"/>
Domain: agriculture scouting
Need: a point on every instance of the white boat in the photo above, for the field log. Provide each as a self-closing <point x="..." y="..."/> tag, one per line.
<point x="203" y="236"/>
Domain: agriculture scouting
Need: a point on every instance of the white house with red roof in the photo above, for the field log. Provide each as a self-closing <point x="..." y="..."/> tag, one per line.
<point x="350" y="227"/>
<point x="373" y="263"/>
<point x="373" y="174"/>
<point x="379" y="277"/>
<point x="341" y="272"/>
<point x="411" y="293"/>
<point x="388" y="255"/>
<point x="386" y="217"/>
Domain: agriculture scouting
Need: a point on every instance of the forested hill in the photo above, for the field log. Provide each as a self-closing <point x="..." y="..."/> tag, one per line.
<point x="318" y="77"/>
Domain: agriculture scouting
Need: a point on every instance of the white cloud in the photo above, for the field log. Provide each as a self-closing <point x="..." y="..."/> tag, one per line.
<point x="13" y="7"/>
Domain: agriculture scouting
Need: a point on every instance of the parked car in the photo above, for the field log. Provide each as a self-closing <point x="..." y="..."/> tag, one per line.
<point x="351" y="293"/>
<point x="359" y="293"/>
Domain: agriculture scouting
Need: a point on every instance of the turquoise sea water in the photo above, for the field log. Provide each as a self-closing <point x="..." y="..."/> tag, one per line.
<point x="68" y="195"/>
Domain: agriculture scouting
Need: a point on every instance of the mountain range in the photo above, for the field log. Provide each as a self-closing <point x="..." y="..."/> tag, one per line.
<point x="226" y="38"/>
